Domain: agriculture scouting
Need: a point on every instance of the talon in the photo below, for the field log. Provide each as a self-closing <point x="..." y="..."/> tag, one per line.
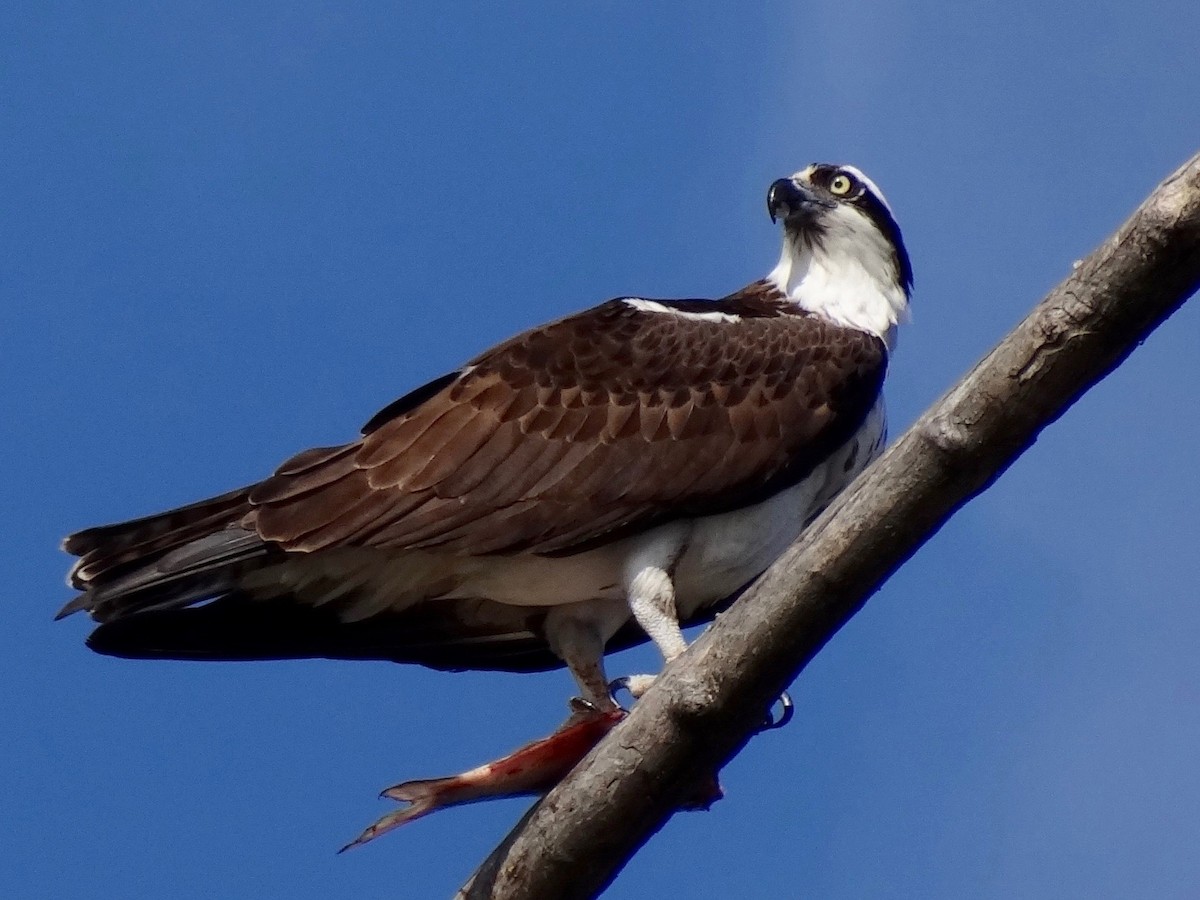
<point x="636" y="685"/>
<point x="583" y="710"/>
<point x="617" y="685"/>
<point x="786" y="711"/>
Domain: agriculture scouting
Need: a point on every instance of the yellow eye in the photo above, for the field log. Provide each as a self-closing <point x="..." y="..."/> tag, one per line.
<point x="841" y="185"/>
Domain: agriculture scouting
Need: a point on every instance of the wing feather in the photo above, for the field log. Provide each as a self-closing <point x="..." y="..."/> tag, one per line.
<point x="567" y="434"/>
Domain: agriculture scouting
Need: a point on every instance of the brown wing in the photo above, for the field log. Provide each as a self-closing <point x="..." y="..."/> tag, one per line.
<point x="568" y="435"/>
<point x="585" y="429"/>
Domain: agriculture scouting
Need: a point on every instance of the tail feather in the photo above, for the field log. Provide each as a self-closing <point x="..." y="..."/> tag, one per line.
<point x="106" y="550"/>
<point x="164" y="561"/>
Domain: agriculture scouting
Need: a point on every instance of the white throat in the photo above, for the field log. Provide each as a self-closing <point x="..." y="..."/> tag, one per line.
<point x="847" y="275"/>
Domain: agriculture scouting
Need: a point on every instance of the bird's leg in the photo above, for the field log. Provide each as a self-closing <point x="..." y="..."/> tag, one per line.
<point x="589" y="675"/>
<point x="652" y="601"/>
<point x="580" y="644"/>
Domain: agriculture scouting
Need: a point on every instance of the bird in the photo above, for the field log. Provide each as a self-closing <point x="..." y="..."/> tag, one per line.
<point x="602" y="480"/>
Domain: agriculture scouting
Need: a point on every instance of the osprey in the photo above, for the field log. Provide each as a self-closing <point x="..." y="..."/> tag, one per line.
<point x="584" y="486"/>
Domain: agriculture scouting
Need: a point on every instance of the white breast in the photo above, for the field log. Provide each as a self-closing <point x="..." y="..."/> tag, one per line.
<point x="727" y="551"/>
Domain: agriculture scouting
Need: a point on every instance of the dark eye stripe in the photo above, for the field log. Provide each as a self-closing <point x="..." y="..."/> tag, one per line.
<point x="864" y="199"/>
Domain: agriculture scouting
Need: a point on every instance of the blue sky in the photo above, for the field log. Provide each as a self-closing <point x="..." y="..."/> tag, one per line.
<point x="233" y="230"/>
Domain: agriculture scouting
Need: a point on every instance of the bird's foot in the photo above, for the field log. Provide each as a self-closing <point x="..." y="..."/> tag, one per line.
<point x="636" y="685"/>
<point x="786" y="710"/>
<point x="531" y="769"/>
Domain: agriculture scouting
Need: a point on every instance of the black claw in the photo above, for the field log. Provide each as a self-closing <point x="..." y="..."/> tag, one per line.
<point x="618" y="684"/>
<point x="580" y="705"/>
<point x="786" y="711"/>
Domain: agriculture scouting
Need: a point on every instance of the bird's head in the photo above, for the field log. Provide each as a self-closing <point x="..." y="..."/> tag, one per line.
<point x="843" y="255"/>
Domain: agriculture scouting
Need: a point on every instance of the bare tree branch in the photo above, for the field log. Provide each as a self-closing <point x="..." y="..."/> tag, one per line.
<point x="705" y="706"/>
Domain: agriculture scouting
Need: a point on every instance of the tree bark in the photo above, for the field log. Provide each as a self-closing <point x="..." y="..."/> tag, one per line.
<point x="707" y="704"/>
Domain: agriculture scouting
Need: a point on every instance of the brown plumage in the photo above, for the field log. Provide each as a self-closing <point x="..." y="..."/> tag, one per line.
<point x="569" y="436"/>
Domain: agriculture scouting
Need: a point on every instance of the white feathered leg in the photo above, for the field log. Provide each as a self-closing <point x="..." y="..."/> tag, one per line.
<point x="577" y="633"/>
<point x="652" y="600"/>
<point x="577" y="637"/>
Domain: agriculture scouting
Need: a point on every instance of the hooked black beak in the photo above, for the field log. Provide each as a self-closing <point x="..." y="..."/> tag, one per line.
<point x="788" y="200"/>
